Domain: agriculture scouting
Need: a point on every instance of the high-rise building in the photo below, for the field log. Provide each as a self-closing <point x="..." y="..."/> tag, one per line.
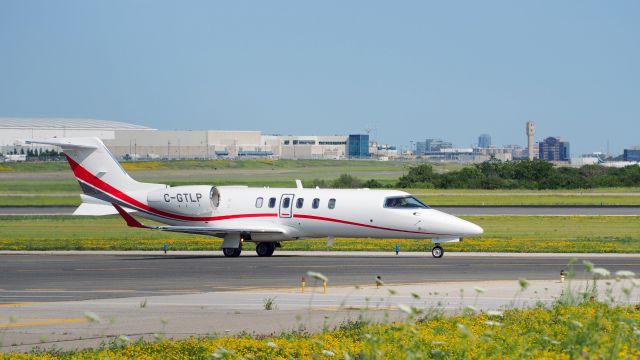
<point x="484" y="141"/>
<point x="358" y="146"/>
<point x="530" y="135"/>
<point x="554" y="149"/>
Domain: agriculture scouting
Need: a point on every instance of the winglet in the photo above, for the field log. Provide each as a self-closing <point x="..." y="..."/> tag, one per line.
<point x="131" y="221"/>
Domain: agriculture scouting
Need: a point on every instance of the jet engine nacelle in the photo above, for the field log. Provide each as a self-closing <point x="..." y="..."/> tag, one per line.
<point x="185" y="200"/>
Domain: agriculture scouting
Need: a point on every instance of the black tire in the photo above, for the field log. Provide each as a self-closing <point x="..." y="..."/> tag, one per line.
<point x="265" y="248"/>
<point x="231" y="252"/>
<point x="437" y="251"/>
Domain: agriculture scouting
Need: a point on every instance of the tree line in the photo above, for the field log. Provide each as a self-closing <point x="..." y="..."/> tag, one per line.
<point x="495" y="174"/>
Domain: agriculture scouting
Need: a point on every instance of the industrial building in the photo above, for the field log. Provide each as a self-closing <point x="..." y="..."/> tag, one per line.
<point x="135" y="142"/>
<point x="432" y="145"/>
<point x="210" y="144"/>
<point x="632" y="154"/>
<point x="358" y="146"/>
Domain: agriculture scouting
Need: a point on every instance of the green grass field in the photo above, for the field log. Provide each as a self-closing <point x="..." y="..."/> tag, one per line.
<point x="227" y="164"/>
<point x="502" y="234"/>
<point x="53" y="183"/>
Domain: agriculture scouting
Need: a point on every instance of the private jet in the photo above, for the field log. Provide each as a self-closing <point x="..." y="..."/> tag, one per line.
<point x="265" y="216"/>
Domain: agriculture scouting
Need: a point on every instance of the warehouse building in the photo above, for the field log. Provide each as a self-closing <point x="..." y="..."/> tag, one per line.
<point x="135" y="142"/>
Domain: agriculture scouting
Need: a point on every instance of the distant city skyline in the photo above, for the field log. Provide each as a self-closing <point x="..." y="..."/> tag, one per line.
<point x="409" y="71"/>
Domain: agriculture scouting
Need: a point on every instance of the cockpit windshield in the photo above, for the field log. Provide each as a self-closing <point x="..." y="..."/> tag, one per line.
<point x="404" y="202"/>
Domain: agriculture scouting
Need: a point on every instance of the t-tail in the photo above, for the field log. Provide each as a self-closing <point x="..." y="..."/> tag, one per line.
<point x="103" y="181"/>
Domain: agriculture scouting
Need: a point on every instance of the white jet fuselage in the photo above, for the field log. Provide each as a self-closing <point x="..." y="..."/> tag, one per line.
<point x="303" y="213"/>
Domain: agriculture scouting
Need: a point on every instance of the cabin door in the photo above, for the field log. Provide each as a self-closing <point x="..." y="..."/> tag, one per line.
<point x="286" y="206"/>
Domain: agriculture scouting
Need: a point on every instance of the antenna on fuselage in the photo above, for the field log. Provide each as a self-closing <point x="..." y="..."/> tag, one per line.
<point x="298" y="183"/>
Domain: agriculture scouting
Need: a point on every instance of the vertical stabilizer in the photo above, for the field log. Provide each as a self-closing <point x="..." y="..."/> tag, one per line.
<point x="95" y="168"/>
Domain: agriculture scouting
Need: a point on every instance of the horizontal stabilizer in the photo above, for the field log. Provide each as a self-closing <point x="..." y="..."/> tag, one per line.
<point x="66" y="143"/>
<point x="87" y="209"/>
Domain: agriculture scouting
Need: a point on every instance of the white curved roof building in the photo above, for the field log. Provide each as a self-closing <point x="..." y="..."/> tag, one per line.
<point x="66" y="123"/>
<point x="13" y="129"/>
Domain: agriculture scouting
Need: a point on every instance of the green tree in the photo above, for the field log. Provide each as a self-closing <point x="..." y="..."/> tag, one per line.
<point x="346" y="181"/>
<point x="422" y="173"/>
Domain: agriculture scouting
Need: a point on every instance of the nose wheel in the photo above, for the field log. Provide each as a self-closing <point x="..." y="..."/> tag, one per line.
<point x="437" y="251"/>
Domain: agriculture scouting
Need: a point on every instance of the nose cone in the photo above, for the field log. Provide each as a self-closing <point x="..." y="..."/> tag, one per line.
<point x="469" y="228"/>
<point x="443" y="223"/>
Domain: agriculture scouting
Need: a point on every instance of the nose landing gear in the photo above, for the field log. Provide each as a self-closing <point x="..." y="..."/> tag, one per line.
<point x="437" y="251"/>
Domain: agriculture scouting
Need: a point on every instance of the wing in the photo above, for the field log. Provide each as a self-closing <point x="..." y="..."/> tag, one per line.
<point x="260" y="228"/>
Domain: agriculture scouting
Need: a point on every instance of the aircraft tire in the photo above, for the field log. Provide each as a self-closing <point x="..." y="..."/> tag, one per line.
<point x="265" y="248"/>
<point x="231" y="252"/>
<point x="437" y="251"/>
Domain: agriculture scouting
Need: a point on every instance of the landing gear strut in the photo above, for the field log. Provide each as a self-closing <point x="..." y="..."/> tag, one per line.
<point x="265" y="248"/>
<point x="231" y="252"/>
<point x="437" y="251"/>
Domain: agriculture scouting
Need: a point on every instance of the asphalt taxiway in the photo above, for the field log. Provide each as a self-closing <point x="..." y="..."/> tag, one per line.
<point x="73" y="300"/>
<point x="67" y="276"/>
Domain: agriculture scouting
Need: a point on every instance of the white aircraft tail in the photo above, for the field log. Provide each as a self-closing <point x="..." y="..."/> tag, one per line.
<point x="96" y="169"/>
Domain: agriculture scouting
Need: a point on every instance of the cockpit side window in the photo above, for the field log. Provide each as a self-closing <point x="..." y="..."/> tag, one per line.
<point x="404" y="202"/>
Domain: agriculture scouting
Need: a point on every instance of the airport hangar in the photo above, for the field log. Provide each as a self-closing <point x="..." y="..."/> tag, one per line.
<point x="131" y="142"/>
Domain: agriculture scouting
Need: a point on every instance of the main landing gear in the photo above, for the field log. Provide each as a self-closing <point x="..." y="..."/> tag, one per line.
<point x="265" y="248"/>
<point x="231" y="252"/>
<point x="437" y="251"/>
<point x="262" y="249"/>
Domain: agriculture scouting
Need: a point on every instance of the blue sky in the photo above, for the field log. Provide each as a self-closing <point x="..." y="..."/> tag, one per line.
<point x="408" y="69"/>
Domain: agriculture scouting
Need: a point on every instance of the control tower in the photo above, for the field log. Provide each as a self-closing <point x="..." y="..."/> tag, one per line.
<point x="530" y="135"/>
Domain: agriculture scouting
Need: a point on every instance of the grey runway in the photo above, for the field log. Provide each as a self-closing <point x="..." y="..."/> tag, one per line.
<point x="34" y="278"/>
<point x="453" y="210"/>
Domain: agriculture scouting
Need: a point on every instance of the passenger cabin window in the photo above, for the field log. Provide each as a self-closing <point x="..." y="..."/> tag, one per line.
<point x="404" y="202"/>
<point x="272" y="202"/>
<point x="259" y="202"/>
<point x="286" y="202"/>
<point x="332" y="203"/>
<point x="299" y="203"/>
<point x="316" y="203"/>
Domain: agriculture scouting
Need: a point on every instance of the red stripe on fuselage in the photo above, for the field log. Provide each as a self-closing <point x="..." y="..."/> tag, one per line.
<point x="322" y="218"/>
<point x="87" y="177"/>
